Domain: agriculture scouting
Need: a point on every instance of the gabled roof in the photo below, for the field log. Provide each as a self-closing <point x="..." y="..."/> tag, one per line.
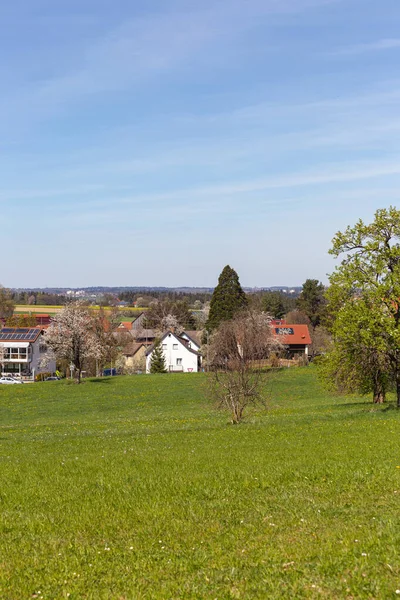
<point x="194" y="336"/>
<point x="20" y="334"/>
<point x="292" y="335"/>
<point x="136" y="317"/>
<point x="179" y="339"/>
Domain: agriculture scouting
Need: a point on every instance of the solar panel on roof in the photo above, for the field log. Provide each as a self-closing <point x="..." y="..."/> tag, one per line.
<point x="19" y="333"/>
<point x="284" y="330"/>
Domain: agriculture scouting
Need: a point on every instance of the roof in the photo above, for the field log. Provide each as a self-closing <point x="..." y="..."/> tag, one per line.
<point x="179" y="339"/>
<point x="136" y="317"/>
<point x="292" y="335"/>
<point x="125" y="325"/>
<point x="131" y="349"/>
<point x="20" y="334"/>
<point x="143" y="334"/>
<point x="194" y="336"/>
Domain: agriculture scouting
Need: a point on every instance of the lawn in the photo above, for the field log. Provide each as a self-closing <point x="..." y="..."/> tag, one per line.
<point x="134" y="488"/>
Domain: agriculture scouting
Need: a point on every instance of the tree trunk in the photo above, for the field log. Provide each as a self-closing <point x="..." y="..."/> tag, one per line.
<point x="379" y="388"/>
<point x="379" y="397"/>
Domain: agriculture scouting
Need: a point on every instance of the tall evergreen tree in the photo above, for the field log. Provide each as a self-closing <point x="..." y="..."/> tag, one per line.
<point x="312" y="301"/>
<point x="157" y="361"/>
<point x="228" y="298"/>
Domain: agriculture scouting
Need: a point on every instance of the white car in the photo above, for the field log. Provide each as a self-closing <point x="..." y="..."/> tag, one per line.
<point x="9" y="380"/>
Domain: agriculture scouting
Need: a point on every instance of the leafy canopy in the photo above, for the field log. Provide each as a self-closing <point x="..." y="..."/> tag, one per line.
<point x="364" y="299"/>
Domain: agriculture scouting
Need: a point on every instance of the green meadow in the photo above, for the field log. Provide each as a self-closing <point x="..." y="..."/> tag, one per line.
<point x="136" y="488"/>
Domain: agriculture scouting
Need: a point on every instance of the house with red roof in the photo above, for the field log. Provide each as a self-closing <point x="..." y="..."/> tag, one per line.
<point x="295" y="338"/>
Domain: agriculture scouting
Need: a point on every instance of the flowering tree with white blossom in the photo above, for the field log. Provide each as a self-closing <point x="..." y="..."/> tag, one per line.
<point x="72" y="336"/>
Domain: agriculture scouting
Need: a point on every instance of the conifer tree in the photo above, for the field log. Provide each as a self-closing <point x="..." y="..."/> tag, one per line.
<point x="228" y="298"/>
<point x="273" y="304"/>
<point x="312" y="301"/>
<point x="157" y="361"/>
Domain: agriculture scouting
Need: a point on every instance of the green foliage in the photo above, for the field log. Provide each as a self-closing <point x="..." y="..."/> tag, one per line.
<point x="312" y="301"/>
<point x="131" y="487"/>
<point x="21" y="321"/>
<point x="364" y="310"/>
<point x="227" y="299"/>
<point x="273" y="304"/>
<point x="6" y="303"/>
<point x="157" y="361"/>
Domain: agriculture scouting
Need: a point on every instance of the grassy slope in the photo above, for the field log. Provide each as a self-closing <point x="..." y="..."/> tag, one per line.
<point x="135" y="488"/>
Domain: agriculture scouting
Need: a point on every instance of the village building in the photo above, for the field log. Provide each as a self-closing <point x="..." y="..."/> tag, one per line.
<point x="22" y="351"/>
<point x="181" y="353"/>
<point x="295" y="338"/>
<point x="134" y="355"/>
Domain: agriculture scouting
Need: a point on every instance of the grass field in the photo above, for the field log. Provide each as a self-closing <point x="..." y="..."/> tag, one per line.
<point x="133" y="488"/>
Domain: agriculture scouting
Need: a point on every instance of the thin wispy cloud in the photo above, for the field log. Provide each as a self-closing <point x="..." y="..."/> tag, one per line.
<point x="148" y="46"/>
<point x="193" y="121"/>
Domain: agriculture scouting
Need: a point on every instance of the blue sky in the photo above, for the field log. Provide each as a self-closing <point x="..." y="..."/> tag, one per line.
<point x="153" y="142"/>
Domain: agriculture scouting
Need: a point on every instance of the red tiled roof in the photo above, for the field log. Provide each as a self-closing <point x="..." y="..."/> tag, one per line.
<point x="292" y="335"/>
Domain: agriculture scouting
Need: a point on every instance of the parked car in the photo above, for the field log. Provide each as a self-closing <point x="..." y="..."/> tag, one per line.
<point x="52" y="378"/>
<point x="9" y="380"/>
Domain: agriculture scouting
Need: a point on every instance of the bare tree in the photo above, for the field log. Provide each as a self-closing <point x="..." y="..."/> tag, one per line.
<point x="236" y="352"/>
<point x="6" y="303"/>
<point x="72" y="336"/>
<point x="162" y="309"/>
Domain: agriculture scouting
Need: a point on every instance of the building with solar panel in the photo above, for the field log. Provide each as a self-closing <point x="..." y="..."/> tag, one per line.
<point x="22" y="352"/>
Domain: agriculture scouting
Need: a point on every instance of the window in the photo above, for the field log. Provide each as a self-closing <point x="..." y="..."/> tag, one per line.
<point x="174" y="346"/>
<point x="178" y="362"/>
<point x="164" y="346"/>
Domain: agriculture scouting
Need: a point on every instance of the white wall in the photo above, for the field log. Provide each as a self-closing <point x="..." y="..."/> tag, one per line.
<point x="189" y="359"/>
<point x="35" y="356"/>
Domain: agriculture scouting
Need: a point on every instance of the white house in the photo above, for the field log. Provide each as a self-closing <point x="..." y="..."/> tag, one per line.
<point x="193" y="339"/>
<point x="21" y="351"/>
<point x="181" y="353"/>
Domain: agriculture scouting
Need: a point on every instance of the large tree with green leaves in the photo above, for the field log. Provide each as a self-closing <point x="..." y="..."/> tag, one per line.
<point x="357" y="360"/>
<point x="227" y="299"/>
<point x="364" y="301"/>
<point x="312" y="301"/>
